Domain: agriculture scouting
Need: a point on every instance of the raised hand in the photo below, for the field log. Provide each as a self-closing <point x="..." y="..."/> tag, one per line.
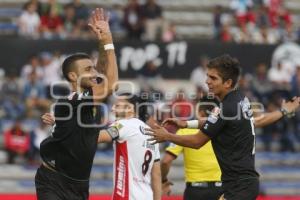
<point x="99" y="25"/>
<point x="48" y="119"/>
<point x="176" y="122"/>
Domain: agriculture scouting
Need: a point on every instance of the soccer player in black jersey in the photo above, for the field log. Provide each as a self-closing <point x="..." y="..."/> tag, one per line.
<point x="230" y="127"/>
<point x="69" y="152"/>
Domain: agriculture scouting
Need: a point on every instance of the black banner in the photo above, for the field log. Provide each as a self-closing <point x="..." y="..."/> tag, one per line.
<point x="175" y="60"/>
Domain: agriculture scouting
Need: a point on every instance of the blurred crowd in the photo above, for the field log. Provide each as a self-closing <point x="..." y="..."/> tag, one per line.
<point x="53" y="20"/>
<point x="26" y="96"/>
<point x="246" y="21"/>
<point x="255" y="21"/>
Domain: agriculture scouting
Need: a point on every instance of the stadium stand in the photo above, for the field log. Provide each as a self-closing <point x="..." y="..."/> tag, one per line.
<point x="196" y="23"/>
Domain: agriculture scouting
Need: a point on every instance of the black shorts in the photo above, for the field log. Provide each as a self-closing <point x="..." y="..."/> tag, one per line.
<point x="244" y="189"/>
<point x="51" y="185"/>
<point x="211" y="191"/>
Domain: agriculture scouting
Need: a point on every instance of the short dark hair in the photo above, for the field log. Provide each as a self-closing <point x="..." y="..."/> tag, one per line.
<point x="68" y="64"/>
<point x="227" y="66"/>
<point x="140" y="107"/>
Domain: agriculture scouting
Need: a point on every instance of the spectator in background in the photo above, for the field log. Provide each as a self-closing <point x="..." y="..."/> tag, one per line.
<point x="245" y="88"/>
<point x="295" y="82"/>
<point x="16" y="142"/>
<point x="242" y="10"/>
<point x="181" y="106"/>
<point x="81" y="14"/>
<point x="149" y="75"/>
<point x="198" y="75"/>
<point x="10" y="92"/>
<point x="133" y="19"/>
<point x="287" y="34"/>
<point x="242" y="35"/>
<point x="273" y="11"/>
<point x="115" y="19"/>
<point x="38" y="5"/>
<point x="51" y="24"/>
<point x="34" y="96"/>
<point x="217" y="21"/>
<point x="36" y="137"/>
<point x="262" y="19"/>
<point x="29" y="21"/>
<point x="169" y="34"/>
<point x="260" y="85"/>
<point x="32" y="65"/>
<point x="153" y="20"/>
<point x="279" y="130"/>
<point x="52" y="71"/>
<point x="281" y="76"/>
<point x="265" y="36"/>
<point x="51" y="4"/>
<point x="71" y="29"/>
<point x="226" y="35"/>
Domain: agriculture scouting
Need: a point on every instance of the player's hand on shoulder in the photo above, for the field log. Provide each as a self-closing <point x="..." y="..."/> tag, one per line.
<point x="48" y="119"/>
<point x="99" y="25"/>
<point x="158" y="134"/>
<point x="174" y="122"/>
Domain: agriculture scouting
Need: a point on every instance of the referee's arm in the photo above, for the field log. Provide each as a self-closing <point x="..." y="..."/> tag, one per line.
<point x="166" y="165"/>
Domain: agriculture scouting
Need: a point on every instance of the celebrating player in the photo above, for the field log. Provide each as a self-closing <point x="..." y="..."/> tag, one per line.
<point x="69" y="152"/>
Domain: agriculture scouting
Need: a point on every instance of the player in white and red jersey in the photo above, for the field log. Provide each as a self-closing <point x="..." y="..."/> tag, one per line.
<point x="136" y="167"/>
<point x="137" y="173"/>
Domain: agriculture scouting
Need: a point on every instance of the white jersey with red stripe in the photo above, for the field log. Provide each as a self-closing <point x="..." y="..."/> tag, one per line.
<point x="134" y="158"/>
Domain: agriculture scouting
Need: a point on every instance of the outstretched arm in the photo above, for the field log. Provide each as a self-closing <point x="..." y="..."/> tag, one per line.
<point x="160" y="134"/>
<point x="107" y="64"/>
<point x="287" y="108"/>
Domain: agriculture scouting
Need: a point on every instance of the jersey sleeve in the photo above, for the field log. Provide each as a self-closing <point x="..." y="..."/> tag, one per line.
<point x="214" y="123"/>
<point x="123" y="130"/>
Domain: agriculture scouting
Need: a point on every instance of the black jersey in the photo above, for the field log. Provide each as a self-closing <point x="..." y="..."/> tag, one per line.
<point x="231" y="129"/>
<point x="72" y="145"/>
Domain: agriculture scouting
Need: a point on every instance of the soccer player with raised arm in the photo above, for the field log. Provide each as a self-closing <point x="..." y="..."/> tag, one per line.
<point x="68" y="153"/>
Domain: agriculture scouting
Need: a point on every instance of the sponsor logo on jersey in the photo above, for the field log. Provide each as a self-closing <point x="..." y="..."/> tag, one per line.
<point x="121" y="177"/>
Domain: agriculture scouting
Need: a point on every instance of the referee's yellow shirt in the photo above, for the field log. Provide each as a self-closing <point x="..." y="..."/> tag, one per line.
<point x="199" y="164"/>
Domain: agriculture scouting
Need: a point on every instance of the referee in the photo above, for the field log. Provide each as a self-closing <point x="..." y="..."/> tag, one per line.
<point x="69" y="152"/>
<point x="201" y="168"/>
<point x="230" y="127"/>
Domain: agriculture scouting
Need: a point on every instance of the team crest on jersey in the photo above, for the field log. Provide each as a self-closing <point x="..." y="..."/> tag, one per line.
<point x="118" y="126"/>
<point x="214" y="115"/>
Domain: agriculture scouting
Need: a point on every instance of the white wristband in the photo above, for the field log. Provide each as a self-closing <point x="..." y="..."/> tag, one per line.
<point x="109" y="47"/>
<point x="192" y="124"/>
